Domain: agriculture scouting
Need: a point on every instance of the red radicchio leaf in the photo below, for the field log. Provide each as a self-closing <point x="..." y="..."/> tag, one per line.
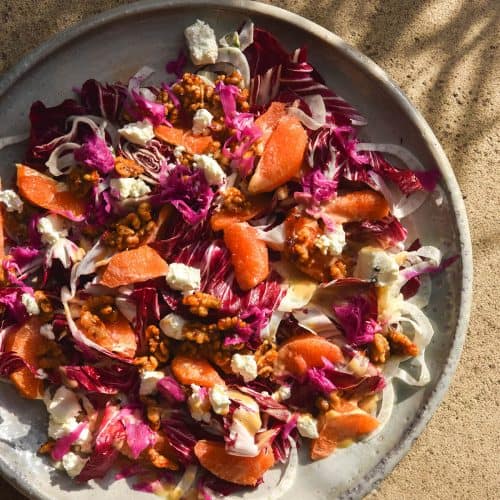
<point x="103" y="99"/>
<point x="95" y="154"/>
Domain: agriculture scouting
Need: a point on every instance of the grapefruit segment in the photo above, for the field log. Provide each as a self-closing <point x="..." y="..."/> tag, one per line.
<point x="194" y="144"/>
<point x="224" y="218"/>
<point x="307" y="351"/>
<point x="27" y="343"/>
<point x="133" y="266"/>
<point x="195" y="371"/>
<point x="267" y="121"/>
<point x="249" y="255"/>
<point x="335" y="427"/>
<point x="246" y="471"/>
<point x="282" y="157"/>
<point x="358" y="206"/>
<point x="47" y="193"/>
<point x="120" y="338"/>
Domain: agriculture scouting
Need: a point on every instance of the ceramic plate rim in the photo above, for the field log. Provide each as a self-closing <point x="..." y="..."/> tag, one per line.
<point x="390" y="460"/>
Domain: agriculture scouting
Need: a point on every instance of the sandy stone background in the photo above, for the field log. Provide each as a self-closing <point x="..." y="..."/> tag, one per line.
<point x="444" y="55"/>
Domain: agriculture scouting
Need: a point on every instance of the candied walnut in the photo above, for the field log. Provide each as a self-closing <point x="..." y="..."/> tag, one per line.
<point x="338" y="269"/>
<point x="379" y="349"/>
<point x="46" y="448"/>
<point x="234" y="200"/>
<point x="146" y="363"/>
<point x="50" y="355"/>
<point x="200" y="303"/>
<point x="125" y="167"/>
<point x="131" y="230"/>
<point x="266" y="356"/>
<point x="401" y="344"/>
<point x="45" y="306"/>
<point x="302" y="233"/>
<point x="93" y="326"/>
<point x="102" y="306"/>
<point x="81" y="181"/>
<point x="157" y="345"/>
<point x="161" y="454"/>
<point x="153" y="414"/>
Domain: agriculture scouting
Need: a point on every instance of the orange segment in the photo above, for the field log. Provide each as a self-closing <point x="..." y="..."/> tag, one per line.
<point x="249" y="255"/>
<point x="268" y="120"/>
<point x="245" y="471"/>
<point x="195" y="371"/>
<point x="307" y="351"/>
<point x="133" y="266"/>
<point x="224" y="218"/>
<point x="29" y="345"/>
<point x="120" y="338"/>
<point x="357" y="206"/>
<point x="335" y="427"/>
<point x="47" y="193"/>
<point x="282" y="157"/>
<point x="194" y="144"/>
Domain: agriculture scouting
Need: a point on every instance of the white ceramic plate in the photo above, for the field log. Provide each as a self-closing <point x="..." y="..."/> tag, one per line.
<point x="113" y="46"/>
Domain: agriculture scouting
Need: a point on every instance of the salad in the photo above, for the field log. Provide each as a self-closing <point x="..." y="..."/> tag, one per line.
<point x="202" y="276"/>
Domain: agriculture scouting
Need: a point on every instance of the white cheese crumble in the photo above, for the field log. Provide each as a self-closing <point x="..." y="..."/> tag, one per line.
<point x="138" y="132"/>
<point x="219" y="399"/>
<point x="282" y="394"/>
<point x="199" y="404"/>
<point x="64" y="405"/>
<point x="149" y="379"/>
<point x="47" y="331"/>
<point x="178" y="151"/>
<point x="307" y="426"/>
<point x="202" y="44"/>
<point x="30" y="304"/>
<point x="51" y="229"/>
<point x="128" y="187"/>
<point x="73" y="464"/>
<point x="11" y="201"/>
<point x="244" y="365"/>
<point x="331" y="243"/>
<point x="172" y="326"/>
<point x="202" y="119"/>
<point x="374" y="264"/>
<point x="183" y="278"/>
<point x="214" y="174"/>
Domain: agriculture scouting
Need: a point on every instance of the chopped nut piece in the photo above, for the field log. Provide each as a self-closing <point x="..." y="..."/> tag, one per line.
<point x="199" y="303"/>
<point x="338" y="269"/>
<point x="401" y="344"/>
<point x="234" y="200"/>
<point x="130" y="231"/>
<point x="81" y="181"/>
<point x="127" y="168"/>
<point x="45" y="306"/>
<point x="146" y="363"/>
<point x="102" y="306"/>
<point x="157" y="347"/>
<point x="266" y="356"/>
<point x="379" y="349"/>
<point x="46" y="448"/>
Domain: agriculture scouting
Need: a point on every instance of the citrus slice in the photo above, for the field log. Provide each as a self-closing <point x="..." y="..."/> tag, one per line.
<point x="47" y="193"/>
<point x="120" y="338"/>
<point x="335" y="427"/>
<point x="133" y="266"/>
<point x="357" y="206"/>
<point x="27" y="343"/>
<point x="256" y="205"/>
<point x="246" y="471"/>
<point x="307" y="351"/>
<point x="267" y="121"/>
<point x="194" y="144"/>
<point x="282" y="157"/>
<point x="249" y="255"/>
<point x="195" y="371"/>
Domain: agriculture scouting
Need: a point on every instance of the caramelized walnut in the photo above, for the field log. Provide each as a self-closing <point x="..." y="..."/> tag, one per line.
<point x="125" y="167"/>
<point x="200" y="303"/>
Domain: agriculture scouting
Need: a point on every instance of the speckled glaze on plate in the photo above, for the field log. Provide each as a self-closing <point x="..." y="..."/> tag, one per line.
<point x="113" y="46"/>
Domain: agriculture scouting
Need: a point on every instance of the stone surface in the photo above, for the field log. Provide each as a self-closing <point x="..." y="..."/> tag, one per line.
<point x="444" y="55"/>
